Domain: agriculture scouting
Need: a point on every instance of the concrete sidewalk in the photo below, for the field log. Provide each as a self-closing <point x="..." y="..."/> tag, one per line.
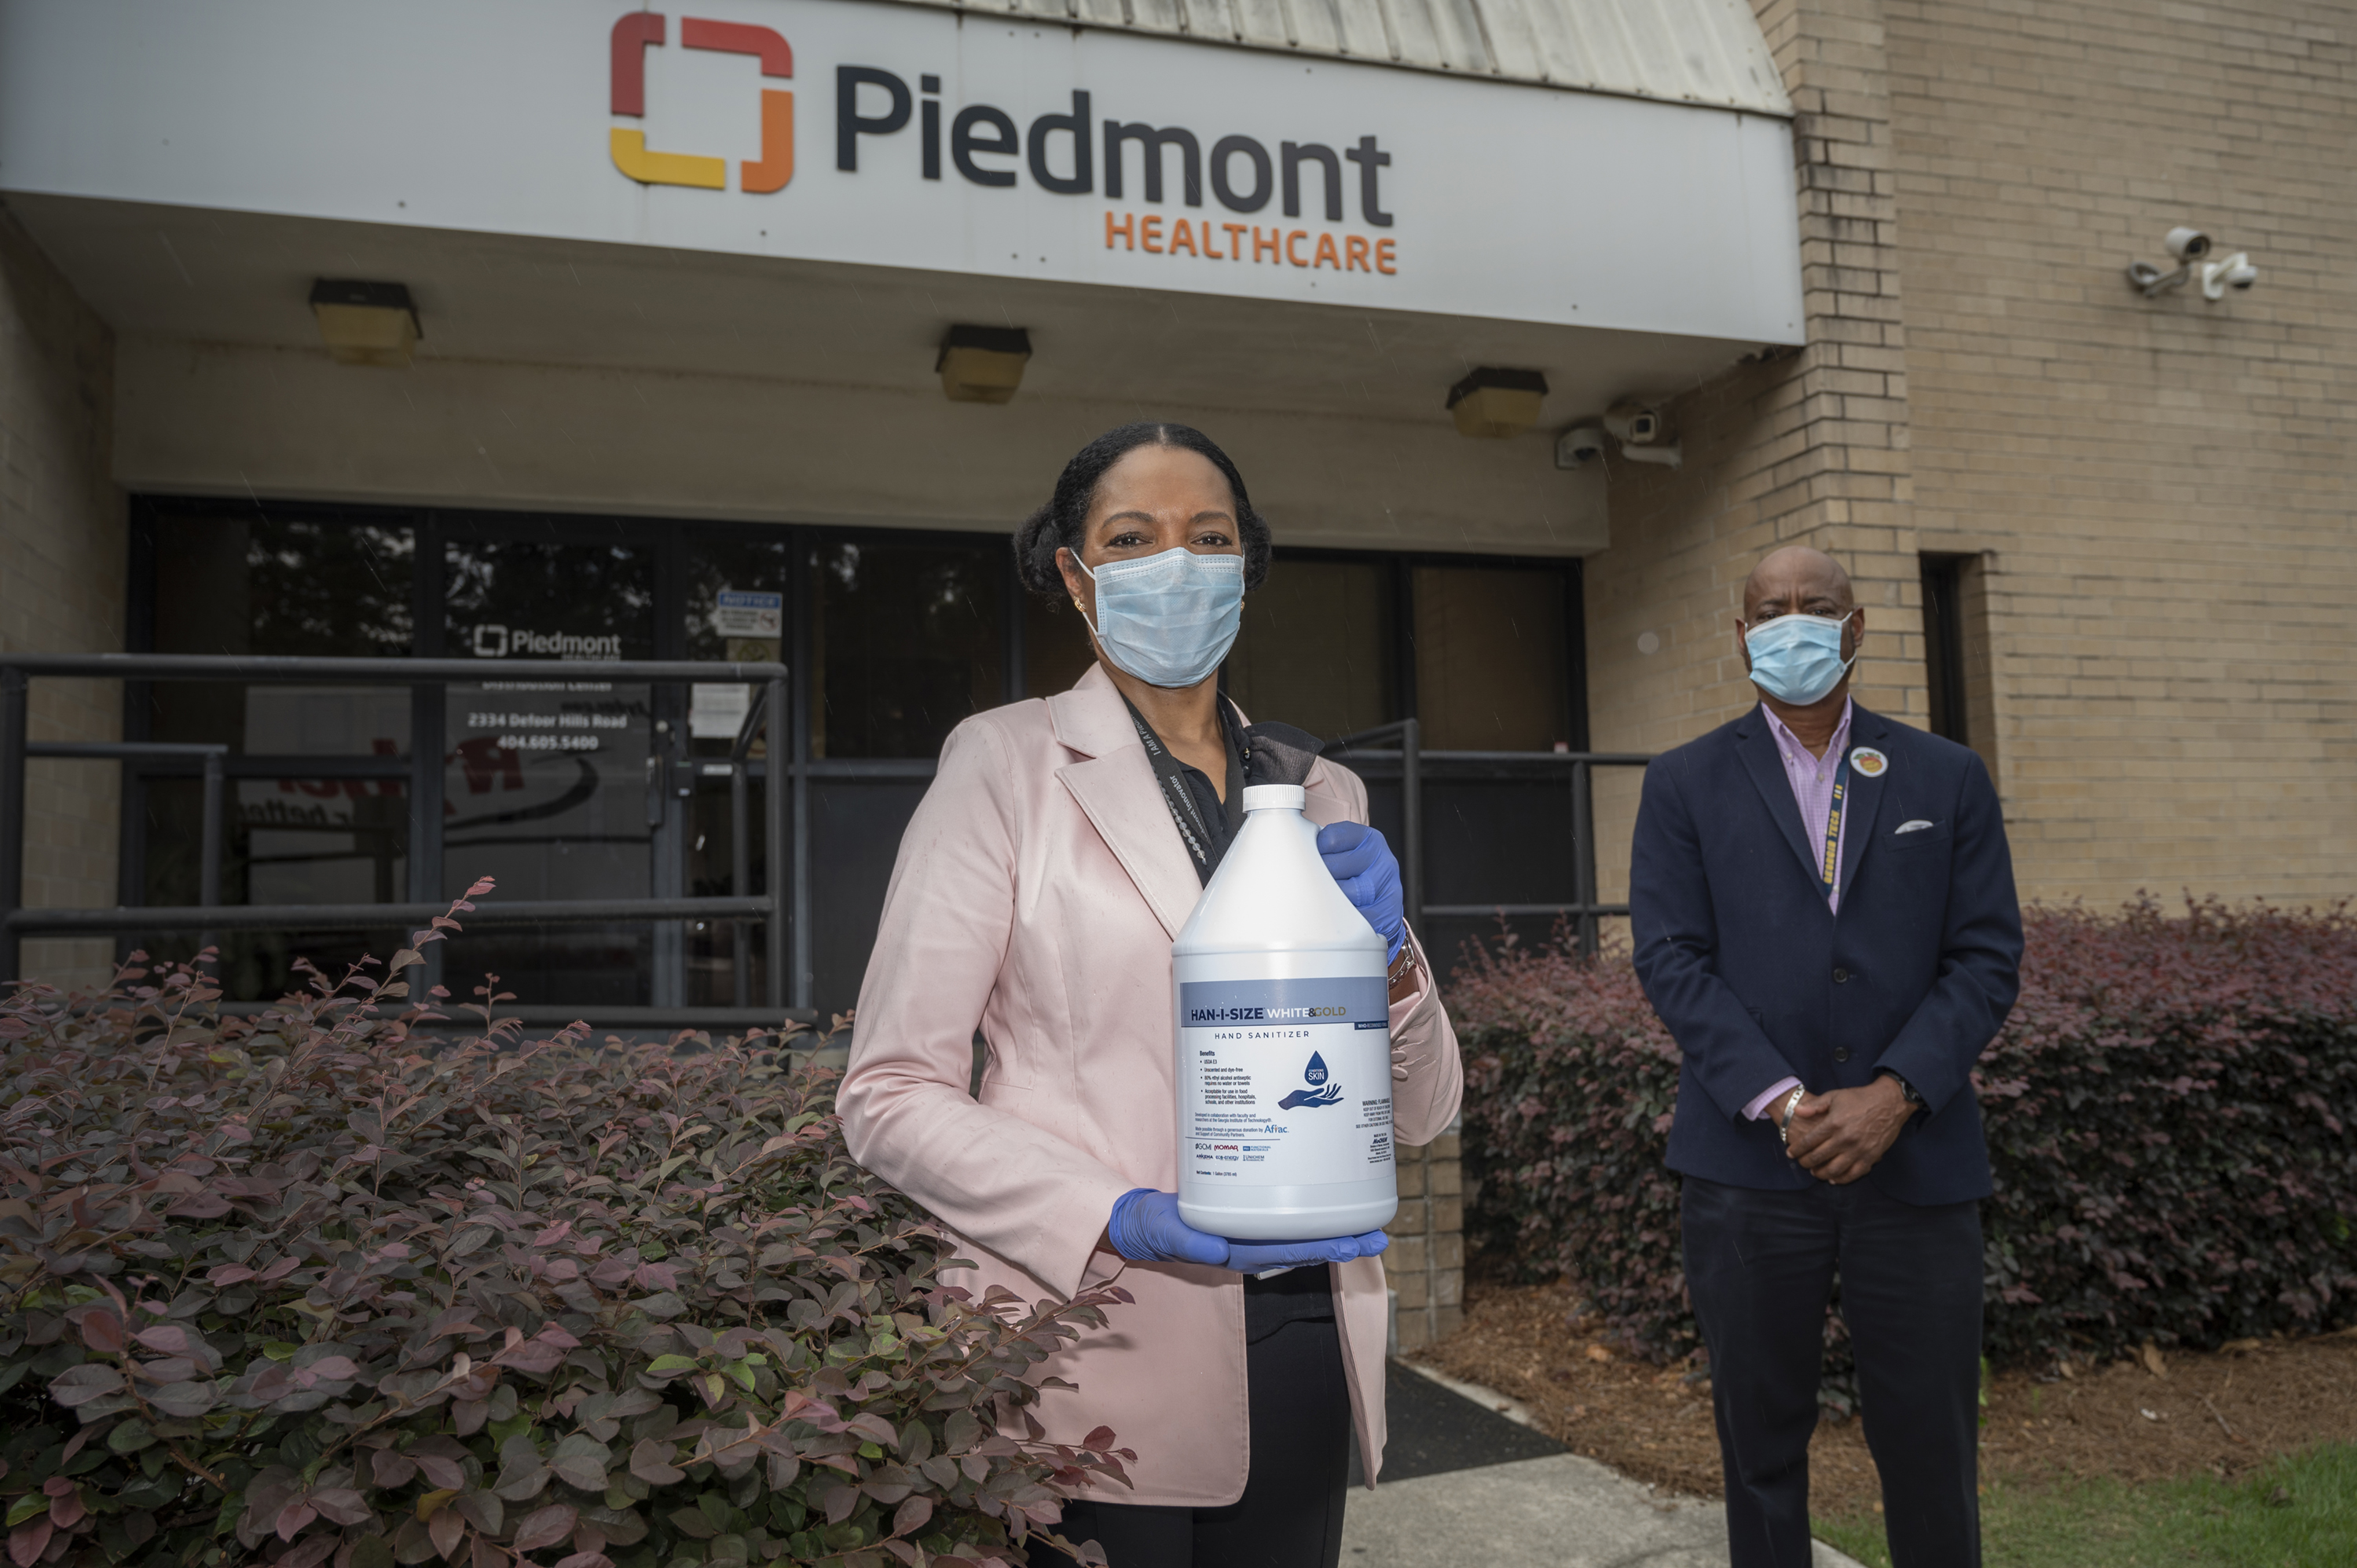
<point x="1548" y="1510"/>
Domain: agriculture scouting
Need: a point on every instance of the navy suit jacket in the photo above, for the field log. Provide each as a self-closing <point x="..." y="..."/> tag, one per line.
<point x="1758" y="979"/>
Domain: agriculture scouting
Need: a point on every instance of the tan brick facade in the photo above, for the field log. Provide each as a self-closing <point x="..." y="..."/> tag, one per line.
<point x="62" y="538"/>
<point x="2164" y="487"/>
<point x="2155" y="496"/>
<point x="1424" y="1264"/>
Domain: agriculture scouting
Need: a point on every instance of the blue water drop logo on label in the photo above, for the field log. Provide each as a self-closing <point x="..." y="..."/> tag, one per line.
<point x="1322" y="1090"/>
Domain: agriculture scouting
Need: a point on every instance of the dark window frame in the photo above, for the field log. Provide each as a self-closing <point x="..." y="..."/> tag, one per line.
<point x="1944" y="646"/>
<point x="433" y="527"/>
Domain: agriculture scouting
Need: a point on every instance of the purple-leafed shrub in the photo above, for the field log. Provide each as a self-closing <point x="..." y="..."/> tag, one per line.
<point x="2170" y="1110"/>
<point x="319" y="1287"/>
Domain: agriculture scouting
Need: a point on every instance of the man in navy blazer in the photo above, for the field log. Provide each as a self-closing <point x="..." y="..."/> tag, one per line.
<point x="1823" y="906"/>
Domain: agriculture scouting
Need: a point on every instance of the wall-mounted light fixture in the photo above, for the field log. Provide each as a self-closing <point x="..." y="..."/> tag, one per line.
<point x="982" y="364"/>
<point x="1491" y="403"/>
<point x="2190" y="248"/>
<point x="367" y="323"/>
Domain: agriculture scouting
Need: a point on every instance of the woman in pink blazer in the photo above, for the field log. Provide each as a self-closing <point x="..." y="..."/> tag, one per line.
<point x="1036" y="893"/>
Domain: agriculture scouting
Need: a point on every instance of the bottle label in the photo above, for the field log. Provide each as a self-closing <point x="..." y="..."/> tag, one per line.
<point x="1284" y="1082"/>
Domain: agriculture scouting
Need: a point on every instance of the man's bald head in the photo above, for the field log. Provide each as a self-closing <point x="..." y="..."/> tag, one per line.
<point x="1797" y="580"/>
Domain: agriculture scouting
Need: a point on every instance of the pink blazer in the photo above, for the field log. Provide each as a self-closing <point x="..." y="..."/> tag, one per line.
<point x="1037" y="891"/>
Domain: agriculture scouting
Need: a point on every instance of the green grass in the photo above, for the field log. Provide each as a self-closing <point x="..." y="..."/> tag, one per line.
<point x="2161" y="1524"/>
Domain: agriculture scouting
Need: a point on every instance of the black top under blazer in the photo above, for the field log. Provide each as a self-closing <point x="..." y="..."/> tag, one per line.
<point x="1758" y="979"/>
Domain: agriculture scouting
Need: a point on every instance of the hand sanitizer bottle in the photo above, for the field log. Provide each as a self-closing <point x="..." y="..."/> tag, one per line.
<point x="1284" y="1043"/>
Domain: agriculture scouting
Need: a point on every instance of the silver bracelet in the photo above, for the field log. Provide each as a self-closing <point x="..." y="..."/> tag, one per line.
<point x="1784" y="1122"/>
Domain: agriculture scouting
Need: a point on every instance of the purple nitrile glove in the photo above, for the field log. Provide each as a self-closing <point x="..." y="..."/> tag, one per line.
<point x="1145" y="1229"/>
<point x="1368" y="874"/>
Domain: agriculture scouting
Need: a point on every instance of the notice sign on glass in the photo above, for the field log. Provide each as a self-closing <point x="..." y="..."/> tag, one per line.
<point x="741" y="612"/>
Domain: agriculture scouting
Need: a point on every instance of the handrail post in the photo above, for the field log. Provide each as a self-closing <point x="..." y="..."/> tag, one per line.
<point x="428" y="719"/>
<point x="1583" y="851"/>
<point x="208" y="854"/>
<point x="782" y="776"/>
<point x="1412" y="821"/>
<point x="740" y="878"/>
<point x="13" y="707"/>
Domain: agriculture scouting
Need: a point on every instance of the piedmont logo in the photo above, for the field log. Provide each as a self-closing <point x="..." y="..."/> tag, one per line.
<point x="1067" y="153"/>
<point x="494" y="641"/>
<point x="640" y="30"/>
<point x="1322" y="1090"/>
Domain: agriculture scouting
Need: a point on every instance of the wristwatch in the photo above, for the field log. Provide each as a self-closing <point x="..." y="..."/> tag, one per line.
<point x="1905" y="1088"/>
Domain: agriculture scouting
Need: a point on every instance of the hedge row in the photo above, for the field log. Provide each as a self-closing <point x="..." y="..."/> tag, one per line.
<point x="2168" y="1109"/>
<point x="309" y="1288"/>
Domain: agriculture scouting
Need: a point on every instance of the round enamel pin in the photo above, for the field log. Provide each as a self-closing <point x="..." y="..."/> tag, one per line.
<point x="1869" y="762"/>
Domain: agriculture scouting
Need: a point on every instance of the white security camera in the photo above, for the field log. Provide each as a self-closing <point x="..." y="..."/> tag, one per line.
<point x="1642" y="433"/>
<point x="2188" y="244"/>
<point x="2235" y="273"/>
<point x="1634" y="424"/>
<point x="2191" y="247"/>
<point x="1579" y="446"/>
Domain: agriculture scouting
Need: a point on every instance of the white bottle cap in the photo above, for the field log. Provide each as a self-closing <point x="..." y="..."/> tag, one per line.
<point x="1263" y="797"/>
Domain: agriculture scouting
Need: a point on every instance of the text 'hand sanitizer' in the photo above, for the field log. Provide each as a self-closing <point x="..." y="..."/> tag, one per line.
<point x="1285" y="1043"/>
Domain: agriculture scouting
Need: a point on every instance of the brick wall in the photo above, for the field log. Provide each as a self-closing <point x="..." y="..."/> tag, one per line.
<point x="2156" y="495"/>
<point x="2163" y="487"/>
<point x="1424" y="1264"/>
<point x="62" y="538"/>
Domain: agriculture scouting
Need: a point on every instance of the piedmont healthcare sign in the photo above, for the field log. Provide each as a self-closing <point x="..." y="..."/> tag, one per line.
<point x="896" y="135"/>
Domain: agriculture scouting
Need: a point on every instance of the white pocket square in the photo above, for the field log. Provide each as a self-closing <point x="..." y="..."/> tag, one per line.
<point x="1915" y="826"/>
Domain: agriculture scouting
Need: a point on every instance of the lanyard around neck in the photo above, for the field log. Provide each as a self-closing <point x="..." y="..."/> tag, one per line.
<point x="1203" y="843"/>
<point x="1830" y="864"/>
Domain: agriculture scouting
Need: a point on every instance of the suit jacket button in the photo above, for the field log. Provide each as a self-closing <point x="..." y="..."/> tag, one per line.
<point x="1841" y="976"/>
<point x="1841" y="1053"/>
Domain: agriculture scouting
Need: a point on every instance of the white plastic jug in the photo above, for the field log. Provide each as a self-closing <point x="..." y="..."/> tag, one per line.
<point x="1284" y="1042"/>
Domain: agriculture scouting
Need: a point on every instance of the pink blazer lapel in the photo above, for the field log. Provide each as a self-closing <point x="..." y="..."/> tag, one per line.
<point x="1113" y="786"/>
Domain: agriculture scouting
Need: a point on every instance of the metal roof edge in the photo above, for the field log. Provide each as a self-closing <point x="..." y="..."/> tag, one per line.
<point x="1779" y="107"/>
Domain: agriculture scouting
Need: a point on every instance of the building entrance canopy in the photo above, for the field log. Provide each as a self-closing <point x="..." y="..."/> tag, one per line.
<point x="918" y="136"/>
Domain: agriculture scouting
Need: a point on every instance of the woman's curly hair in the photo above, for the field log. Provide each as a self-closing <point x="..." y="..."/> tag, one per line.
<point x="1057" y="524"/>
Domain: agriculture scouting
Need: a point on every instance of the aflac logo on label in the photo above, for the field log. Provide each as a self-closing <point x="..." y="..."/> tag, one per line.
<point x="1321" y="1090"/>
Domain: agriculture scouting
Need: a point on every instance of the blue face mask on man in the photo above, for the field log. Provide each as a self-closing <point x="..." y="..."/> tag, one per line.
<point x="1170" y="618"/>
<point x="1797" y="658"/>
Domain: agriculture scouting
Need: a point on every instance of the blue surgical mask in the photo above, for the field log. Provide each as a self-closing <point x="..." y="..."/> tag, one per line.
<point x="1169" y="619"/>
<point x="1797" y="658"/>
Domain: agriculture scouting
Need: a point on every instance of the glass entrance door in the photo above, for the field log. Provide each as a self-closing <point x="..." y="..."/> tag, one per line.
<point x="555" y="789"/>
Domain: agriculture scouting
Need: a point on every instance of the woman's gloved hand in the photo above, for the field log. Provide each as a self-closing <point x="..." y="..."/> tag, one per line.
<point x="1370" y="874"/>
<point x="1145" y="1229"/>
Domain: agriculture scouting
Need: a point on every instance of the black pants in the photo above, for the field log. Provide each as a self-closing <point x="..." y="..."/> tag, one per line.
<point x="1760" y="1268"/>
<point x="1291" y="1513"/>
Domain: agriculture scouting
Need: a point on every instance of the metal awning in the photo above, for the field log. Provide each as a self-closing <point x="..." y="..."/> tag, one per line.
<point x="1706" y="52"/>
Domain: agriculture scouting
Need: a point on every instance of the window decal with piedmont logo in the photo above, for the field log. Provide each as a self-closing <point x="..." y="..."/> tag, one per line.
<point x="637" y="31"/>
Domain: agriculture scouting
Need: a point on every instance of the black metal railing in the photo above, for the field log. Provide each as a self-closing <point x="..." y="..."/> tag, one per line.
<point x="1416" y="767"/>
<point x="422" y="768"/>
<point x="783" y="909"/>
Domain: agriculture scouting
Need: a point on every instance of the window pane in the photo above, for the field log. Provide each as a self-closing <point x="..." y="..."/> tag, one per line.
<point x="1492" y="666"/>
<point x="1056" y="648"/>
<point x="1315" y="648"/>
<point x="736" y="610"/>
<point x="276" y="586"/>
<point x="287" y="840"/>
<point x="855" y="828"/>
<point x="549" y="598"/>
<point x="905" y="642"/>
